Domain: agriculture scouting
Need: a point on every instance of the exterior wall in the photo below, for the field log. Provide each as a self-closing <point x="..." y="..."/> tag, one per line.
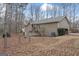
<point x="63" y="24"/>
<point x="48" y="28"/>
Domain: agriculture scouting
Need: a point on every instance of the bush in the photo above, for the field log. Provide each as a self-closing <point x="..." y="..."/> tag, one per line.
<point x="53" y="34"/>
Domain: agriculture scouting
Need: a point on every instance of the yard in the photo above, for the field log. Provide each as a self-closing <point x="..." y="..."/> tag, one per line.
<point x="17" y="45"/>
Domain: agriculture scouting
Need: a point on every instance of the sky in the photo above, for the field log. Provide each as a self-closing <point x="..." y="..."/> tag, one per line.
<point x="50" y="6"/>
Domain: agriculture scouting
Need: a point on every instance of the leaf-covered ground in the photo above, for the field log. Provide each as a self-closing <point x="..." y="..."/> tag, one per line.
<point x="17" y="45"/>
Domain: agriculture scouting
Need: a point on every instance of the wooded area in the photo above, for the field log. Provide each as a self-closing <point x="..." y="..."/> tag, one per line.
<point x="15" y="18"/>
<point x="14" y="15"/>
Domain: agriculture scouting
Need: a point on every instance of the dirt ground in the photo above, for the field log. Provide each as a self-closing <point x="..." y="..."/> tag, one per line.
<point x="17" y="45"/>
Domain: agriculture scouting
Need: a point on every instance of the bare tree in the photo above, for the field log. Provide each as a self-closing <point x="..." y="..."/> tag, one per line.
<point x="5" y="39"/>
<point x="31" y="10"/>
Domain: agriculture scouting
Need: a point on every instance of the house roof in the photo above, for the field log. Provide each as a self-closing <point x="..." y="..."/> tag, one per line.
<point x="50" y="20"/>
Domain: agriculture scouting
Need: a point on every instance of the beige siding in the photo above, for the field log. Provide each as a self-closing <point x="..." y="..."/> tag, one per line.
<point x="63" y="24"/>
<point x="52" y="27"/>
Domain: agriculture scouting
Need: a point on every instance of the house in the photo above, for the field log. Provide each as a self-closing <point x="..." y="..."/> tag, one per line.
<point x="49" y="26"/>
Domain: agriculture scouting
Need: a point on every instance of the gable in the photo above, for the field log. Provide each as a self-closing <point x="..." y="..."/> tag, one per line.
<point x="63" y="24"/>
